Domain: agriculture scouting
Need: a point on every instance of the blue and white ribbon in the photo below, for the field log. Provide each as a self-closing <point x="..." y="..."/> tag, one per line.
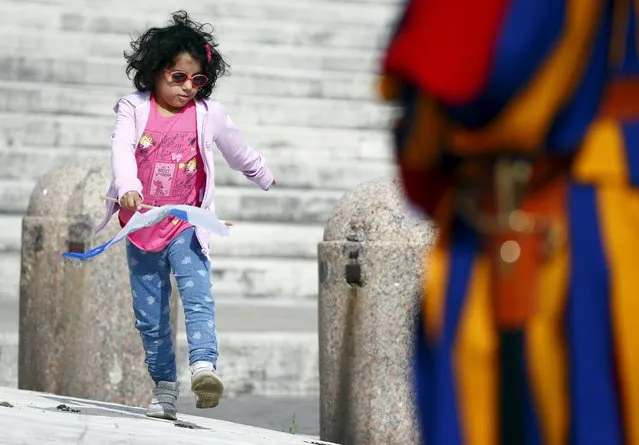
<point x="204" y="219"/>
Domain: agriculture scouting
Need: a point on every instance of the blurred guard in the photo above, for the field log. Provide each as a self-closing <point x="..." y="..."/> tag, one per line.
<point x="519" y="136"/>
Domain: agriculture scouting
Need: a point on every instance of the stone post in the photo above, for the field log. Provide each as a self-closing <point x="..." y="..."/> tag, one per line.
<point x="77" y="332"/>
<point x="369" y="294"/>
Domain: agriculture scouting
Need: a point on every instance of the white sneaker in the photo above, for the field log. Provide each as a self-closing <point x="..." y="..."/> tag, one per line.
<point x="162" y="404"/>
<point x="206" y="385"/>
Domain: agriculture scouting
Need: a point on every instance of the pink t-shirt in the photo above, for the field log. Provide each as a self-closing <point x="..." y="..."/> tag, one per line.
<point x="171" y="170"/>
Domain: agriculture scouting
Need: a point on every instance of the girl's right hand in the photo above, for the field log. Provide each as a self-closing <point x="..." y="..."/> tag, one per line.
<point x="131" y="201"/>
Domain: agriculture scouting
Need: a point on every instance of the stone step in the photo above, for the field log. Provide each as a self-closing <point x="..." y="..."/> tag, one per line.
<point x="24" y="97"/>
<point x="265" y="363"/>
<point x="257" y="316"/>
<point x="244" y="80"/>
<point x="232" y="315"/>
<point x="216" y="11"/>
<point x="266" y="348"/>
<point x="17" y="41"/>
<point x="10" y="233"/>
<point x="262" y="363"/>
<point x="9" y="313"/>
<point x="233" y="277"/>
<point x="15" y="195"/>
<point x="107" y="20"/>
<point x="233" y="203"/>
<point x="9" y="316"/>
<point x="9" y="276"/>
<point x="9" y="359"/>
<point x="294" y="172"/>
<point x="258" y="260"/>
<point x="41" y="130"/>
<point x="249" y="239"/>
<point x="264" y="278"/>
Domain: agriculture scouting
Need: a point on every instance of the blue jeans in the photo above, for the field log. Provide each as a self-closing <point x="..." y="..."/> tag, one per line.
<point x="151" y="290"/>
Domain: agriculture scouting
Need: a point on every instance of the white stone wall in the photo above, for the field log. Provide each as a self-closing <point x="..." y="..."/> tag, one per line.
<point x="302" y="89"/>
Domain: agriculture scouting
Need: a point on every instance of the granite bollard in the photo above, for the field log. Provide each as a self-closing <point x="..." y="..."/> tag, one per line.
<point x="369" y="285"/>
<point x="77" y="332"/>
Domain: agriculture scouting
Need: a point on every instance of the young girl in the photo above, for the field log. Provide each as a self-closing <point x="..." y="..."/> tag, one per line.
<point x="162" y="153"/>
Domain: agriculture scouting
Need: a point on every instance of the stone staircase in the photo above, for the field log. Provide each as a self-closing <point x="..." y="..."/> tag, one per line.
<point x="302" y="90"/>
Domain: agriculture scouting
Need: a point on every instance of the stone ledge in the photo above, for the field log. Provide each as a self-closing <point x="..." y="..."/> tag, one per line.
<point x="54" y="131"/>
<point x="9" y="277"/>
<point x="267" y="364"/>
<point x="119" y="21"/>
<point x="298" y="172"/>
<point x="236" y="278"/>
<point x="246" y="80"/>
<point x="60" y="420"/>
<point x="16" y="41"/>
<point x="248" y="203"/>
<point x="11" y="233"/>
<point x="332" y="12"/>
<point x="24" y="97"/>
<point x="250" y="239"/>
<point x="8" y="360"/>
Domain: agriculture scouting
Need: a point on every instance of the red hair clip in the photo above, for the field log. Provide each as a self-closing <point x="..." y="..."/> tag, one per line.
<point x="209" y="52"/>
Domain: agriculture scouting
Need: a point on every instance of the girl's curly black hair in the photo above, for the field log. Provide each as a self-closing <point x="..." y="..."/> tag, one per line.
<point x="157" y="49"/>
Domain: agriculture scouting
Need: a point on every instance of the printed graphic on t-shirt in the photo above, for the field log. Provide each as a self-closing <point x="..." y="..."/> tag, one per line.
<point x="146" y="142"/>
<point x="187" y="182"/>
<point x="162" y="179"/>
<point x="169" y="155"/>
<point x="173" y="143"/>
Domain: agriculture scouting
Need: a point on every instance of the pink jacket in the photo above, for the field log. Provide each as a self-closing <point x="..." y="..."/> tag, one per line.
<point x="214" y="129"/>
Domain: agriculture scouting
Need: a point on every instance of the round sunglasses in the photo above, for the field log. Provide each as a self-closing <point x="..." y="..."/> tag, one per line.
<point x="180" y="77"/>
